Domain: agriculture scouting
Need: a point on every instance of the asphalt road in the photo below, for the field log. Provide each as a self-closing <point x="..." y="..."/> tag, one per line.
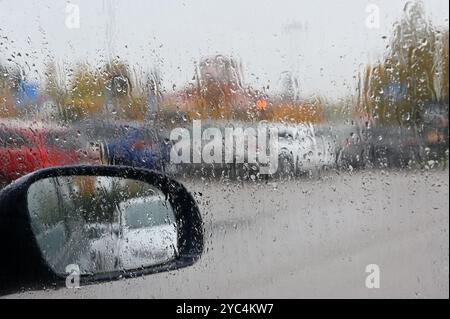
<point x="309" y="238"/>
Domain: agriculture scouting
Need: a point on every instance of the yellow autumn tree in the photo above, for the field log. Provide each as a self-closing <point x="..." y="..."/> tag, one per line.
<point x="128" y="99"/>
<point x="86" y="95"/>
<point x="413" y="73"/>
<point x="7" y="86"/>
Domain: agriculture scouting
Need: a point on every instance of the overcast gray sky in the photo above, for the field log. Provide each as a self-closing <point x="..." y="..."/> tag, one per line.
<point x="322" y="41"/>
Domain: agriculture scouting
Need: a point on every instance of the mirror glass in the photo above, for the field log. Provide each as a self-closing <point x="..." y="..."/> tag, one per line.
<point x="101" y="223"/>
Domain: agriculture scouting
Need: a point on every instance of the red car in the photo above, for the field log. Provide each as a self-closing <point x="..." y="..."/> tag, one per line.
<point x="26" y="149"/>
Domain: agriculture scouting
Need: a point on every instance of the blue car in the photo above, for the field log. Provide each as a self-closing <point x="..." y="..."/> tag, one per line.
<point x="137" y="147"/>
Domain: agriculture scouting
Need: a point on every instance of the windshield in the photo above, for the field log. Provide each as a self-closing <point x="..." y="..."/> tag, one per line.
<point x="312" y="134"/>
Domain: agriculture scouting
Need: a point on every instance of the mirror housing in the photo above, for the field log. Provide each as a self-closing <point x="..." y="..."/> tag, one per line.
<point x="23" y="265"/>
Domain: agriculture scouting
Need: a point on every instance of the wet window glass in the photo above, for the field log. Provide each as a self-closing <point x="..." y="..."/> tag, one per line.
<point x="313" y="136"/>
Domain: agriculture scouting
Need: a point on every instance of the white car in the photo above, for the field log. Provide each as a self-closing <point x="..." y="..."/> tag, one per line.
<point x="146" y="235"/>
<point x="301" y="150"/>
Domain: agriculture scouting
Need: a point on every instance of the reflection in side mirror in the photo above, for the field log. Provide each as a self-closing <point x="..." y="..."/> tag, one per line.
<point x="101" y="224"/>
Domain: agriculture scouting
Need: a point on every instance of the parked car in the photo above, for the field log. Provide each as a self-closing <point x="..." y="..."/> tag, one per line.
<point x="302" y="151"/>
<point x="391" y="147"/>
<point x="137" y="147"/>
<point x="147" y="221"/>
<point x="435" y="130"/>
<point x="129" y="145"/>
<point x="25" y="148"/>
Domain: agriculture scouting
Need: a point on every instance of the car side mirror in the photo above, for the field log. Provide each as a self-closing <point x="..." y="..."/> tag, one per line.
<point x="108" y="222"/>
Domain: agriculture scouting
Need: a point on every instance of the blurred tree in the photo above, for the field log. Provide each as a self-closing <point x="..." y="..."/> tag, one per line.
<point x="290" y="87"/>
<point x="218" y="83"/>
<point x="128" y="103"/>
<point x="296" y="112"/>
<point x="154" y="92"/>
<point x="55" y="88"/>
<point x="9" y="84"/>
<point x="7" y="108"/>
<point x="85" y="97"/>
<point x="441" y="66"/>
<point x="396" y="90"/>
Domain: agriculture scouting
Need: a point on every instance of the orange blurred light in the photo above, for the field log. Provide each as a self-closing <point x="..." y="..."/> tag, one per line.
<point x="261" y="104"/>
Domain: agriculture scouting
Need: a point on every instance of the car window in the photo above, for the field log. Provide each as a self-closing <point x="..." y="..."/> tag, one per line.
<point x="62" y="140"/>
<point x="13" y="139"/>
<point x="137" y="214"/>
<point x="313" y="136"/>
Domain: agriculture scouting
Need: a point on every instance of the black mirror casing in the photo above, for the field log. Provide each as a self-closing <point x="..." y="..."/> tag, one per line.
<point x="22" y="265"/>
